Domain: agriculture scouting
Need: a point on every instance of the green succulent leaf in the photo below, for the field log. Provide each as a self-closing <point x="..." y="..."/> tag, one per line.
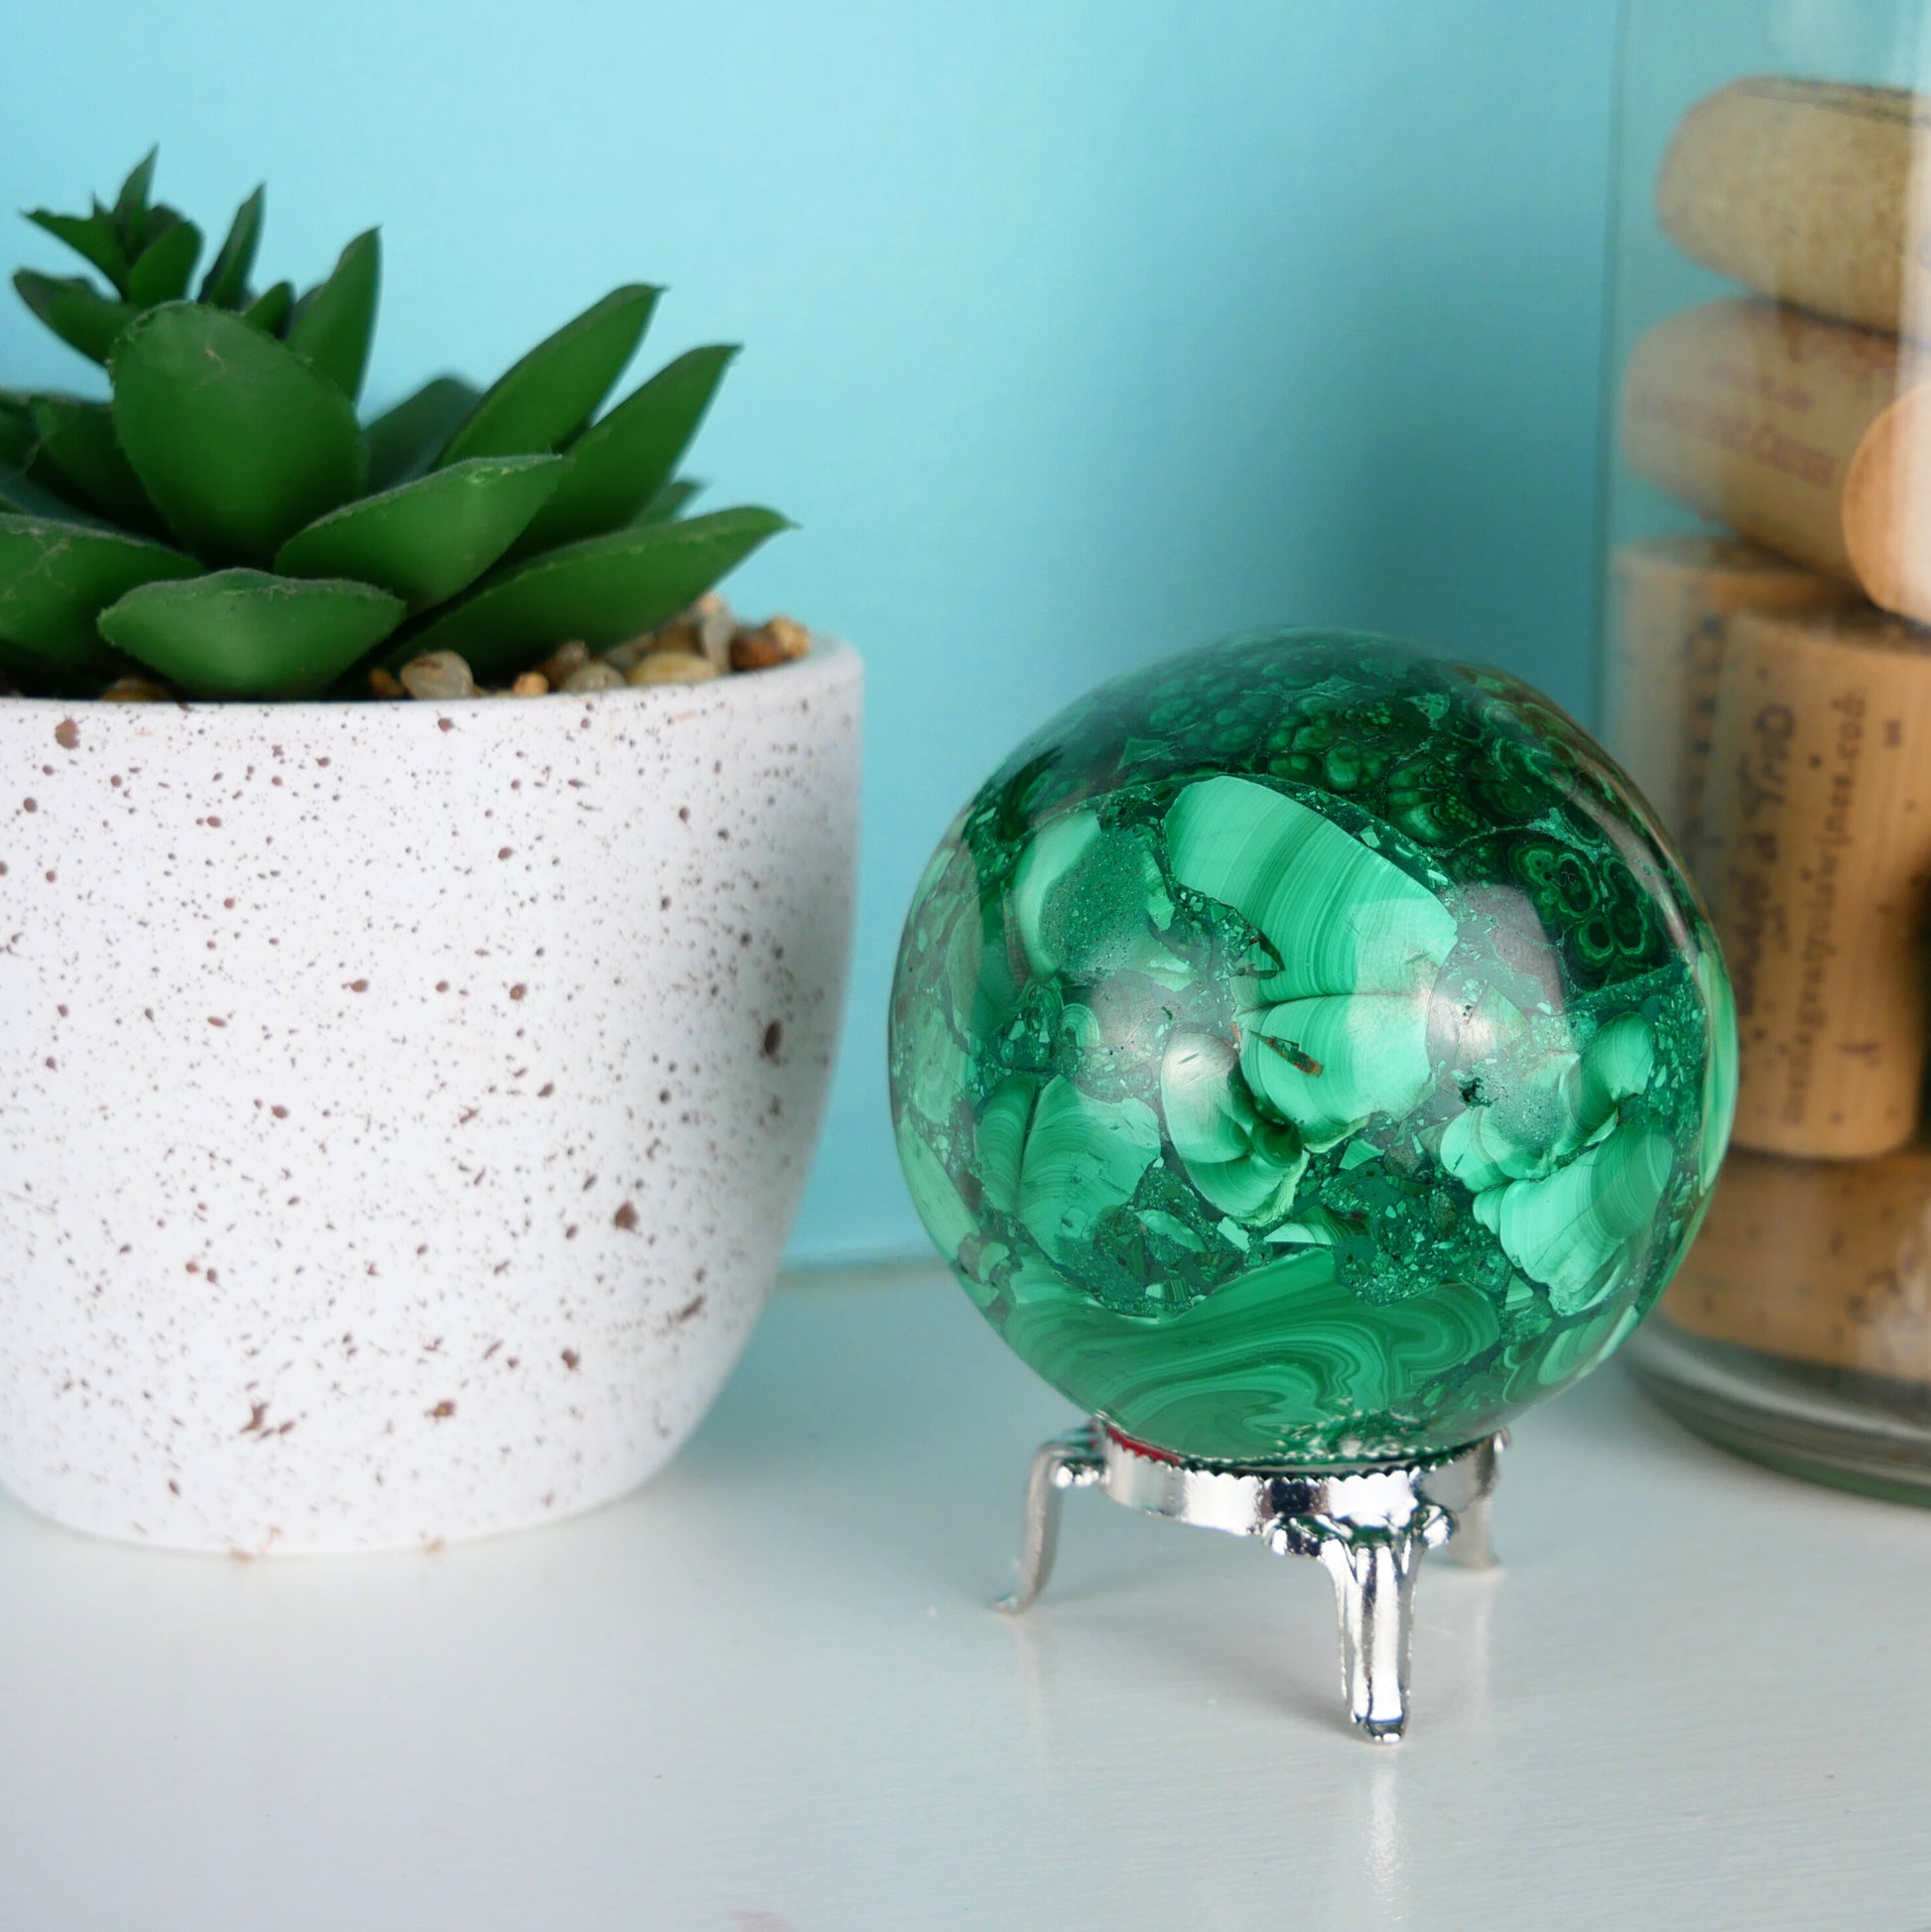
<point x="271" y="308"/>
<point x="620" y="462"/>
<point x="603" y="589"/>
<point x="403" y="441"/>
<point x="334" y="322"/>
<point x="77" y="445"/>
<point x="25" y="495"/>
<point x="75" y="310"/>
<point x="162" y="219"/>
<point x="27" y="477"/>
<point x="543" y="401"/>
<point x="131" y="208"/>
<point x="55" y="578"/>
<point x="669" y="500"/>
<point x="239" y="441"/>
<point x="167" y="264"/>
<point x="425" y="540"/>
<point x="246" y="634"/>
<point x="94" y="237"/>
<point x="18" y="440"/>
<point x="226" y="283"/>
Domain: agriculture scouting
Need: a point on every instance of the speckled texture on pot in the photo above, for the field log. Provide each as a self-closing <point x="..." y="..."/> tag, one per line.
<point x="403" y="1107"/>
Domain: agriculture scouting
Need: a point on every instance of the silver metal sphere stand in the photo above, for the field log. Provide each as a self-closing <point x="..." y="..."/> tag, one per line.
<point x="1368" y="1527"/>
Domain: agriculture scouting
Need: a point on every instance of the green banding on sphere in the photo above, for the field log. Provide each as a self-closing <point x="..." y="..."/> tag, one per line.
<point x="1308" y="1050"/>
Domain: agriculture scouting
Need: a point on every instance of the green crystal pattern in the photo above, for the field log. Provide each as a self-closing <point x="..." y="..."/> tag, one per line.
<point x="1308" y="1050"/>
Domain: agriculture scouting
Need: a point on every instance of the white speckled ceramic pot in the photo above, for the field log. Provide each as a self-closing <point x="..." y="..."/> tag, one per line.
<point x="403" y="1107"/>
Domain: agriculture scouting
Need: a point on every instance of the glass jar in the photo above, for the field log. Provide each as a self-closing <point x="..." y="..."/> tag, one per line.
<point x="1766" y="570"/>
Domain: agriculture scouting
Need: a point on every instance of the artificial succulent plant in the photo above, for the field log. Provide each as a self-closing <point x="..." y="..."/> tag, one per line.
<point x="226" y="520"/>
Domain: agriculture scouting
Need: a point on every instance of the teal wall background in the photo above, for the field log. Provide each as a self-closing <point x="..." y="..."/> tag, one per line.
<point x="1077" y="330"/>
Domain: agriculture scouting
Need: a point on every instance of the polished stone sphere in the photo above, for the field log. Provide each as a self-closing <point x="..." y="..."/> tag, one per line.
<point x="1307" y="1050"/>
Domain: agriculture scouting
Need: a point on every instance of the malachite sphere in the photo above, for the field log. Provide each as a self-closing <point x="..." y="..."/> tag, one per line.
<point x="1308" y="1050"/>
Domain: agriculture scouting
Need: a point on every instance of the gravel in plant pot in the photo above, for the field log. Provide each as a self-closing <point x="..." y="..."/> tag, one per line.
<point x="406" y="1095"/>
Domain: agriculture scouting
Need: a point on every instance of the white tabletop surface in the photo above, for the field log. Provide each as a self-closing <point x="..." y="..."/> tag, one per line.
<point x="767" y="1693"/>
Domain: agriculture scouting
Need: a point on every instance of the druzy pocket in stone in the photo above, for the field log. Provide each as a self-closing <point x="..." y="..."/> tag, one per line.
<point x="1308" y="1050"/>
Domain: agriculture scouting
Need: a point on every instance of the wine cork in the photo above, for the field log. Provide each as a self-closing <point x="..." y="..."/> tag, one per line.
<point x="1674" y="599"/>
<point x="1809" y="436"/>
<point x="1805" y="190"/>
<point x="1824" y="1262"/>
<point x="1815" y="858"/>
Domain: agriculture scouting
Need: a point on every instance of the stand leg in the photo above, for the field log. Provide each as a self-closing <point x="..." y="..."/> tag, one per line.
<point x="1470" y="1545"/>
<point x="1068" y="1462"/>
<point x="1374" y="1592"/>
